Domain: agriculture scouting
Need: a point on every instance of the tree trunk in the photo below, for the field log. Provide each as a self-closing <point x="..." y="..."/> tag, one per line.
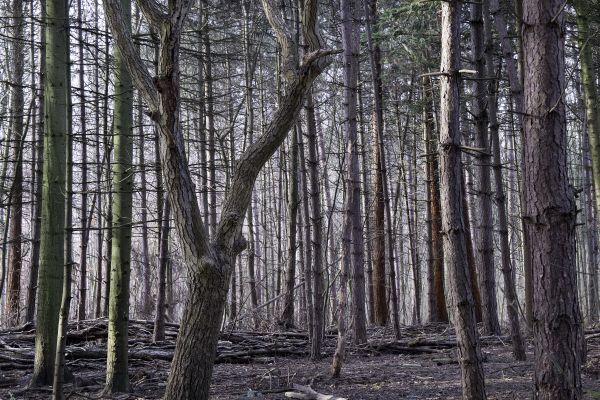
<point x="437" y="298"/>
<point x="163" y="262"/>
<point x="52" y="255"/>
<point x="516" y="91"/>
<point x="287" y="317"/>
<point x="317" y="230"/>
<point x="117" y="379"/>
<point x="485" y="242"/>
<point x="510" y="292"/>
<point x="378" y="229"/>
<point x="550" y="205"/>
<point x="589" y="79"/>
<point x="453" y="228"/>
<point x="82" y="306"/>
<point x="15" y="259"/>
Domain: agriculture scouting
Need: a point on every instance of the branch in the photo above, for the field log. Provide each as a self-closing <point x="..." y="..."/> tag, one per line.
<point x="131" y="57"/>
<point x="154" y="12"/>
<point x="310" y="26"/>
<point x="257" y="154"/>
<point x="284" y="38"/>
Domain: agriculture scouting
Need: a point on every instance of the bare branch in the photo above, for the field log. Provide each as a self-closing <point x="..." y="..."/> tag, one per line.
<point x="154" y="12"/>
<point x="124" y="42"/>
<point x="284" y="37"/>
<point x="257" y="154"/>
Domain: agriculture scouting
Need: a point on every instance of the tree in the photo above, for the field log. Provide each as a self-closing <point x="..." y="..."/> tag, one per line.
<point x="589" y="77"/>
<point x="13" y="290"/>
<point x="550" y="205"/>
<point x="485" y="242"/>
<point x="379" y="189"/>
<point x="52" y="255"/>
<point x="209" y="258"/>
<point x="437" y="299"/>
<point x="117" y="379"/>
<point x="453" y="229"/>
<point x="512" y="301"/>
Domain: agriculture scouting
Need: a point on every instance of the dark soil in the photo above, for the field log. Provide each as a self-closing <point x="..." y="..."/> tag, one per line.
<point x="264" y="366"/>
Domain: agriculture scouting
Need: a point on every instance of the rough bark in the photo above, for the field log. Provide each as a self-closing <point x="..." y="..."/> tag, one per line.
<point x="17" y="110"/>
<point x="437" y="299"/>
<point x="510" y="291"/>
<point x="485" y="238"/>
<point x="317" y="230"/>
<point x="453" y="228"/>
<point x="550" y="205"/>
<point x="287" y="317"/>
<point x="516" y="91"/>
<point x="209" y="260"/>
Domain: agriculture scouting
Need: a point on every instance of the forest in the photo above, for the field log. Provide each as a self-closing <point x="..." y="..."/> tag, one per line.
<point x="310" y="199"/>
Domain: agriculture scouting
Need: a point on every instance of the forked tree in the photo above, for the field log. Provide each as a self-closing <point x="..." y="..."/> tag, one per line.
<point x="209" y="259"/>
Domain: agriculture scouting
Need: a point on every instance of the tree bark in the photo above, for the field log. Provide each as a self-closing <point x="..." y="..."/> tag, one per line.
<point x="15" y="259"/>
<point x="550" y="205"/>
<point x="437" y="299"/>
<point x="453" y="228"/>
<point x="209" y="259"/>
<point x="51" y="272"/>
<point x="117" y="379"/>
<point x="378" y="229"/>
<point x="510" y="292"/>
<point x="485" y="242"/>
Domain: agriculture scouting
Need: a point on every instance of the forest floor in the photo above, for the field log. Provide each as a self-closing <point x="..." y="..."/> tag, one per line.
<point x="422" y="365"/>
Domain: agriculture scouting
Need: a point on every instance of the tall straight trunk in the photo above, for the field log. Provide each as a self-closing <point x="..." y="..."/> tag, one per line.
<point x="510" y="291"/>
<point x="108" y="220"/>
<point x="352" y="230"/>
<point x="330" y="244"/>
<point x="317" y="230"/>
<point x="210" y="125"/>
<point x="117" y="379"/>
<point x="82" y="306"/>
<point x="249" y="138"/>
<point x="50" y="280"/>
<point x="366" y="204"/>
<point x="163" y="262"/>
<point x="411" y="239"/>
<point x="307" y="230"/>
<point x="453" y="228"/>
<point x="589" y="79"/>
<point x="550" y="205"/>
<point x="252" y="266"/>
<point x="471" y="252"/>
<point x="591" y="222"/>
<point x="146" y="271"/>
<point x="485" y="239"/>
<point x="17" y="110"/>
<point x="38" y="178"/>
<point x="287" y="317"/>
<point x="516" y="91"/>
<point x="378" y="230"/>
<point x="100" y="138"/>
<point x="63" y="320"/>
<point x="437" y="298"/>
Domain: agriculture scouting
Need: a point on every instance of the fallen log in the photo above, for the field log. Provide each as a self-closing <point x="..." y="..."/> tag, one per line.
<point x="308" y="393"/>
